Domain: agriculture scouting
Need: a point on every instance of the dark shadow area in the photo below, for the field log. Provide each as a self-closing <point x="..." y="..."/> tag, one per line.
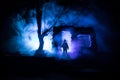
<point x="42" y="68"/>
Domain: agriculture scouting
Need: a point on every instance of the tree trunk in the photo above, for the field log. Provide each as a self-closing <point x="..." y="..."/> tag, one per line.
<point x="39" y="17"/>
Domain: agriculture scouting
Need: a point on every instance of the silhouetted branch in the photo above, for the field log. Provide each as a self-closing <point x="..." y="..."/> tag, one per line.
<point x="63" y="11"/>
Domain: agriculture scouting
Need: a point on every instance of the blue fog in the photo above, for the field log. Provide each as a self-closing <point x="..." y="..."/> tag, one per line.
<point x="26" y="38"/>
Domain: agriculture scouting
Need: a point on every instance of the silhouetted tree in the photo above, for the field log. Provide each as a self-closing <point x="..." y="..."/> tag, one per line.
<point x="39" y="6"/>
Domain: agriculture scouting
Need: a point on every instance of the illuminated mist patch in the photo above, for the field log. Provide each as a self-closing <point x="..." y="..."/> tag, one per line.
<point x="32" y="41"/>
<point x="66" y="35"/>
<point x="25" y="40"/>
<point x="48" y="43"/>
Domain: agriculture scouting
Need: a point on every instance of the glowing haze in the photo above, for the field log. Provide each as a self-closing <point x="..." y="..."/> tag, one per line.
<point x="26" y="41"/>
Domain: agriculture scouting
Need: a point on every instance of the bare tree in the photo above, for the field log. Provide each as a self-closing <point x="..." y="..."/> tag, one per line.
<point x="38" y="16"/>
<point x="46" y="32"/>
